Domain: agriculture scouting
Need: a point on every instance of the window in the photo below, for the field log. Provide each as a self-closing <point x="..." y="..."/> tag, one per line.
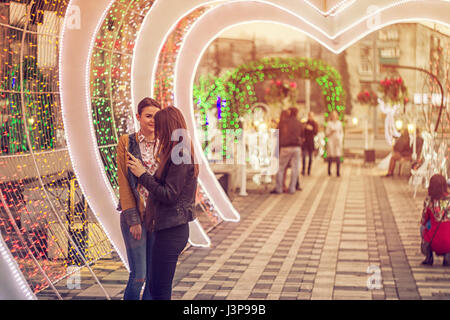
<point x="389" y="34"/>
<point x="366" y="65"/>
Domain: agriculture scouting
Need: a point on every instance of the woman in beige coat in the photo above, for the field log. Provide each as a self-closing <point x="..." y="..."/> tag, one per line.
<point x="335" y="135"/>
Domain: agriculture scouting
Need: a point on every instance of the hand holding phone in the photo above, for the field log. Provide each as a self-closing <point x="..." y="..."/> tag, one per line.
<point x="135" y="165"/>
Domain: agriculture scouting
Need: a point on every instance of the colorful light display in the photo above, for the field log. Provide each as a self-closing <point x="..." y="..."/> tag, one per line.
<point x="436" y="149"/>
<point x="43" y="230"/>
<point x="163" y="89"/>
<point x="238" y="88"/>
<point x="112" y="110"/>
<point x="36" y="175"/>
<point x="113" y="113"/>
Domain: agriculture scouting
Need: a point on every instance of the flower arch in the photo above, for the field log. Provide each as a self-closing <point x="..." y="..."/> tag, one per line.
<point x="236" y="90"/>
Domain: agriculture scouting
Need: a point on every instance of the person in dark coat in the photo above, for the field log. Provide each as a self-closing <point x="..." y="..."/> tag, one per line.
<point x="290" y="140"/>
<point x="310" y="131"/>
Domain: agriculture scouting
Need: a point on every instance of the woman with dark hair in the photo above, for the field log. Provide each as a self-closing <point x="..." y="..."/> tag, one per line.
<point x="435" y="224"/>
<point x="170" y="206"/>
<point x="311" y="130"/>
<point x="133" y="196"/>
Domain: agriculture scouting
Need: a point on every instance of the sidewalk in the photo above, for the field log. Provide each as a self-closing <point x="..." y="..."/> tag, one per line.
<point x="325" y="242"/>
<point x="318" y="244"/>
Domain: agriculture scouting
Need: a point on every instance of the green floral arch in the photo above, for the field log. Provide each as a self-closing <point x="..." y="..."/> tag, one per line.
<point x="238" y="87"/>
<point x="235" y="92"/>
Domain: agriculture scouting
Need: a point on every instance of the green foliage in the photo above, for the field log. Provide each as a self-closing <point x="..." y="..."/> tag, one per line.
<point x="238" y="86"/>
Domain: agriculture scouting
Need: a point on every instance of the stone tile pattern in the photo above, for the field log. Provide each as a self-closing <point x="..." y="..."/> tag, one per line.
<point x="345" y="233"/>
<point x="333" y="240"/>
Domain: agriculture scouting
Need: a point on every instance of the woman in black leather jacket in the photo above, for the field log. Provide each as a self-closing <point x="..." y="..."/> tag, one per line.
<point x="172" y="191"/>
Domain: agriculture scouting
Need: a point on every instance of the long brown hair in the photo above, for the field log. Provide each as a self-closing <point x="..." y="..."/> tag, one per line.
<point x="167" y="121"/>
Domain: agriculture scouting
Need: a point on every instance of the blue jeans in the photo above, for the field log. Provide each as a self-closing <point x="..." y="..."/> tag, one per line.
<point x="167" y="247"/>
<point x="137" y="261"/>
<point x="288" y="154"/>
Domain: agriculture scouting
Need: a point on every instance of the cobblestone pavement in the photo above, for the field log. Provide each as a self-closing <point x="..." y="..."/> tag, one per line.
<point x="352" y="237"/>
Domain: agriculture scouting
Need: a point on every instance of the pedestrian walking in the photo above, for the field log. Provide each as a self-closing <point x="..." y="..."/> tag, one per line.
<point x="170" y="205"/>
<point x="335" y="135"/>
<point x="310" y="131"/>
<point x="290" y="140"/>
<point x="293" y="113"/>
<point x="133" y="196"/>
<point x="435" y="223"/>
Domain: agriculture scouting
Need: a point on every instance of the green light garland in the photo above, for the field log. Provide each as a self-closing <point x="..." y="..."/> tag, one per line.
<point x="238" y="87"/>
<point x="112" y="111"/>
<point x="39" y="106"/>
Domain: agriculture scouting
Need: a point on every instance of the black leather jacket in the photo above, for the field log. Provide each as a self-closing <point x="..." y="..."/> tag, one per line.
<point x="172" y="198"/>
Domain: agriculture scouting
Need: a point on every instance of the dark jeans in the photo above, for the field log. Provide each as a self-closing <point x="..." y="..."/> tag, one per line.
<point x="167" y="246"/>
<point x="310" y="156"/>
<point x="137" y="261"/>
<point x="338" y="164"/>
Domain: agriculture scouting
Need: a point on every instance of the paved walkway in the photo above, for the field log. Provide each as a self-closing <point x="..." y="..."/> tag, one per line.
<point x="353" y="237"/>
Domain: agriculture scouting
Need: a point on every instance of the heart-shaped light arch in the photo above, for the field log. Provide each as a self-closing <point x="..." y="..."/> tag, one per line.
<point x="76" y="47"/>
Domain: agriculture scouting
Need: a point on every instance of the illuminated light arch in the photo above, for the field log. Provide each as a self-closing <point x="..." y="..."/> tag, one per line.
<point x="13" y="285"/>
<point x="222" y="17"/>
<point x="109" y="95"/>
<point x="35" y="176"/>
<point x="335" y="43"/>
<point x="75" y="52"/>
<point x="237" y="87"/>
<point x="162" y="89"/>
<point x="212" y="189"/>
<point x="336" y="33"/>
<point x="142" y="51"/>
<point x="324" y="74"/>
<point x="74" y="73"/>
<point x="198" y="39"/>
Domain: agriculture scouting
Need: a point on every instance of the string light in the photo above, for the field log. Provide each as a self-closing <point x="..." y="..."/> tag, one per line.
<point x="17" y="278"/>
<point x="111" y="110"/>
<point x="146" y="79"/>
<point x="163" y="87"/>
<point x="34" y="179"/>
<point x="238" y="87"/>
<point x="337" y="8"/>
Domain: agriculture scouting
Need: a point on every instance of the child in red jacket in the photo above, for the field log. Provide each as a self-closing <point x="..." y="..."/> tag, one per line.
<point x="435" y="224"/>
